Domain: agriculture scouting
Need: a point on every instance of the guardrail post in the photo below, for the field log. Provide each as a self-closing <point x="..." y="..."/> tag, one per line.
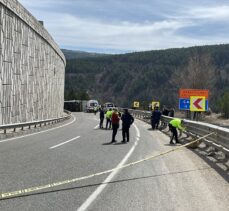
<point x="4" y="130"/>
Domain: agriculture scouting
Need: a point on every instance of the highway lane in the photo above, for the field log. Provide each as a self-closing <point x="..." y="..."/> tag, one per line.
<point x="179" y="181"/>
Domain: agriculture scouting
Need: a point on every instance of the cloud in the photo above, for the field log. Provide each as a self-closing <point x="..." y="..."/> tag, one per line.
<point x="102" y="25"/>
<point x="76" y="31"/>
<point x="210" y="13"/>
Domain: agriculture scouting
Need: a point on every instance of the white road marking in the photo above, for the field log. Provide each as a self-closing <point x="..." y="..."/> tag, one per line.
<point x="10" y="139"/>
<point x="53" y="147"/>
<point x="137" y="131"/>
<point x="96" y="193"/>
<point x="96" y="126"/>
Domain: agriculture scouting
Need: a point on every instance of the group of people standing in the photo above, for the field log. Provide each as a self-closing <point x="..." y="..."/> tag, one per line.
<point x="113" y="118"/>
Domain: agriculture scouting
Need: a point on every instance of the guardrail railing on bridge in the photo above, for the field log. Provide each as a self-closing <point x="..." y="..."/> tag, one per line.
<point x="34" y="123"/>
<point x="219" y="141"/>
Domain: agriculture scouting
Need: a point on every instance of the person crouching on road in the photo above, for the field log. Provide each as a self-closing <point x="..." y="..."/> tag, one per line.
<point x="127" y="121"/>
<point x="173" y="126"/>
<point x="115" y="124"/>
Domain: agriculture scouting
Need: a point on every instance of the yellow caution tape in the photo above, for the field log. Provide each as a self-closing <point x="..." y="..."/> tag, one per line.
<point x="51" y="185"/>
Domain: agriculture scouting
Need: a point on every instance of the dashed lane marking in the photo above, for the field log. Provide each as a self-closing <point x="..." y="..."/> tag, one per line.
<point x="58" y="145"/>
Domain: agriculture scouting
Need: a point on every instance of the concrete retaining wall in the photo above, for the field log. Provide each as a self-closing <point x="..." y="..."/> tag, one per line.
<point x="32" y="68"/>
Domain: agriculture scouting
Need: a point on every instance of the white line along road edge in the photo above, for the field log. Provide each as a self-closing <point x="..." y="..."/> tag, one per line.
<point x="96" y="127"/>
<point x="53" y="147"/>
<point x="96" y="193"/>
<point x="44" y="131"/>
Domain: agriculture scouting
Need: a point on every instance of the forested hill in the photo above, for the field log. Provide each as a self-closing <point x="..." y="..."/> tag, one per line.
<point x="151" y="75"/>
<point x="69" y="54"/>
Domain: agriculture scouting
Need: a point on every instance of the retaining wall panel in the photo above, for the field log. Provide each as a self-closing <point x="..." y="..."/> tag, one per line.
<point x="31" y="68"/>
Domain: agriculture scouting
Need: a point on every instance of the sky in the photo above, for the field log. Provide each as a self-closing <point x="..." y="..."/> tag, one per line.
<point x="123" y="26"/>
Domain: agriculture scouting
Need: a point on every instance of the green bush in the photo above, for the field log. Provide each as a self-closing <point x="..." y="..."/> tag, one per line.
<point x="224" y="104"/>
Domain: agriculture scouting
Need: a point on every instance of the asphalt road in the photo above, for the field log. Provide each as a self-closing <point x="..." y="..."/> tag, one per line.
<point x="180" y="180"/>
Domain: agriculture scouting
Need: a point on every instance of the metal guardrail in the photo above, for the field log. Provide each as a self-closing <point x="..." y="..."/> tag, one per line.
<point x="219" y="141"/>
<point x="34" y="123"/>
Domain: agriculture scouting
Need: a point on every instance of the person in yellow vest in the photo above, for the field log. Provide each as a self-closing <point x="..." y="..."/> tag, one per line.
<point x="108" y="118"/>
<point x="95" y="110"/>
<point x="175" y="124"/>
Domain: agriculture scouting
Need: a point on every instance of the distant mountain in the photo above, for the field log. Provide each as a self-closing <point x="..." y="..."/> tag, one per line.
<point x="150" y="76"/>
<point x="70" y="54"/>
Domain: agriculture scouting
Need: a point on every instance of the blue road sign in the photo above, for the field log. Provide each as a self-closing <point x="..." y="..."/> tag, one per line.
<point x="184" y="104"/>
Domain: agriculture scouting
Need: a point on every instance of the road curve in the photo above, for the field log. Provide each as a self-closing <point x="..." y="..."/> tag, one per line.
<point x="180" y="180"/>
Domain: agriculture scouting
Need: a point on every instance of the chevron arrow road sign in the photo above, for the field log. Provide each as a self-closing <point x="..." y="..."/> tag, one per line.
<point x="197" y="103"/>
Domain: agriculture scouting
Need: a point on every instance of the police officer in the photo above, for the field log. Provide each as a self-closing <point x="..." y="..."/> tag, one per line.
<point x="127" y="121"/>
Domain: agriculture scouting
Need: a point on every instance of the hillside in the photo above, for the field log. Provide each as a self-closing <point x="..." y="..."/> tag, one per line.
<point x="70" y="54"/>
<point x="151" y="75"/>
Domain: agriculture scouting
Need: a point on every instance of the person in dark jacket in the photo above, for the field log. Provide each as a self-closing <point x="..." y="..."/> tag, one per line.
<point x="165" y="111"/>
<point x="171" y="112"/>
<point x="127" y="121"/>
<point x="101" y="116"/>
<point x="155" y="118"/>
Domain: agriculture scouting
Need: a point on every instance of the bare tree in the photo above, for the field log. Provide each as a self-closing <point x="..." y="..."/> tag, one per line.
<point x="198" y="74"/>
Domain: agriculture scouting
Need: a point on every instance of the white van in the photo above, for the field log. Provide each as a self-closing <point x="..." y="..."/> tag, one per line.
<point x="91" y="105"/>
<point x="108" y="105"/>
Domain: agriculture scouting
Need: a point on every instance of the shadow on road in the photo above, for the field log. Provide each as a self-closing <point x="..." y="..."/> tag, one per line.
<point x="114" y="143"/>
<point x="171" y="145"/>
<point x="108" y="143"/>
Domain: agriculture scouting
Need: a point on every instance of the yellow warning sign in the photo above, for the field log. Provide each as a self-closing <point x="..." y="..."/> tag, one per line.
<point x="197" y="103"/>
<point x="155" y="104"/>
<point x="136" y="104"/>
